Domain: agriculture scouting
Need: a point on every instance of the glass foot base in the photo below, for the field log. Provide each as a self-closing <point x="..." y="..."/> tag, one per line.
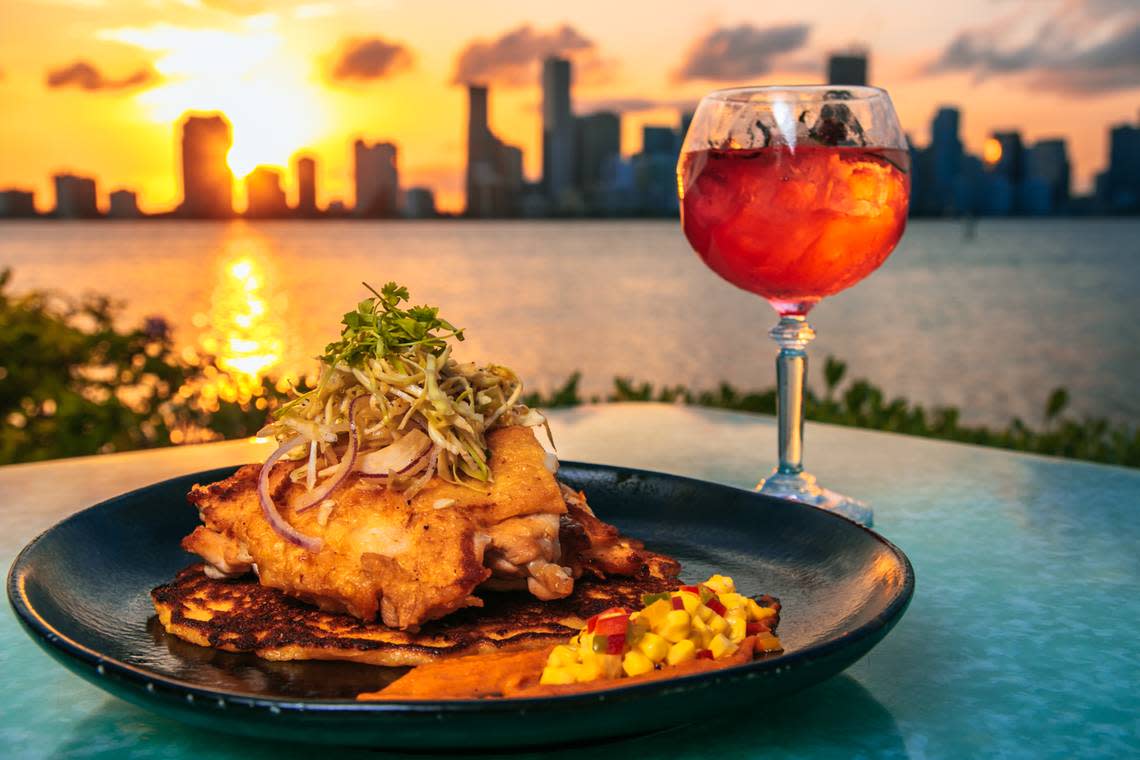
<point x="803" y="488"/>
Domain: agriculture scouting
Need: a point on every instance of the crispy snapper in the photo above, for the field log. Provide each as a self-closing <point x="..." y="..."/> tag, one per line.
<point x="419" y="559"/>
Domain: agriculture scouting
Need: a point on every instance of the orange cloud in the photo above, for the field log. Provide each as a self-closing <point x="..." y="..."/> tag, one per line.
<point x="1086" y="48"/>
<point x="742" y="52"/>
<point x="86" y="76"/>
<point x="512" y="59"/>
<point x="369" y="58"/>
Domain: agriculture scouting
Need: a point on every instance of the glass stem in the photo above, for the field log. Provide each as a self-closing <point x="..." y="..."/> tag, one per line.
<point x="792" y="334"/>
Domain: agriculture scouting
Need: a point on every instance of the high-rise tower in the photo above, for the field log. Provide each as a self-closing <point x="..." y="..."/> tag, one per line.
<point x="207" y="182"/>
<point x="558" y="164"/>
<point x="377" y="179"/>
<point x="306" y="186"/>
<point x="494" y="171"/>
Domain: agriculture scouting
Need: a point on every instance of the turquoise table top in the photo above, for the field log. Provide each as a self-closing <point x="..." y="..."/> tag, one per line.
<point x="1023" y="639"/>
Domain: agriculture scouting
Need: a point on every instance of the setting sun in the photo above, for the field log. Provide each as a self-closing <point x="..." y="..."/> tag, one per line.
<point x="248" y="74"/>
<point x="991" y="152"/>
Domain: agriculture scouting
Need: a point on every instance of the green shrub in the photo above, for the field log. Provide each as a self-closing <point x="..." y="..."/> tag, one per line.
<point x="71" y="383"/>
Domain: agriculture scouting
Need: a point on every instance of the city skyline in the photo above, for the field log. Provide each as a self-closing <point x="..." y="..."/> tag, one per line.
<point x="584" y="171"/>
<point x="90" y="88"/>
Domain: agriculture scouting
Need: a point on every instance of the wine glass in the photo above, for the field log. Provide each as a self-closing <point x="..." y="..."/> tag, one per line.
<point x="795" y="193"/>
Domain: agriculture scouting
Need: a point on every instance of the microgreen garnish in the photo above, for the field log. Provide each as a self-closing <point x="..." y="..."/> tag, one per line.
<point x="380" y="328"/>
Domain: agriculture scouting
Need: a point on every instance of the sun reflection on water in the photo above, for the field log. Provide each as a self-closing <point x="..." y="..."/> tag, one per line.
<point x="242" y="340"/>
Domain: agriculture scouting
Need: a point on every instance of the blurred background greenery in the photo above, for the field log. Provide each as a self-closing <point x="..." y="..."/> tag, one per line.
<point x="73" y="383"/>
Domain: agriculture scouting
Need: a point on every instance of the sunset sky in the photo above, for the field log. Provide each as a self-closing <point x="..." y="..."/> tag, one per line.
<point x="95" y="86"/>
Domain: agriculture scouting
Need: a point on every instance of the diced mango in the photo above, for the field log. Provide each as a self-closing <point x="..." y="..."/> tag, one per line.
<point x="717" y="624"/>
<point x="587" y="671"/>
<point x="635" y="663"/>
<point x="737" y="625"/>
<point x="557" y="676"/>
<point x="721" y="647"/>
<point x="562" y="656"/>
<point x="699" y="626"/>
<point x="653" y="646"/>
<point x="656" y="612"/>
<point x="704" y="613"/>
<point x="756" y="612"/>
<point x="721" y="584"/>
<point x="682" y="651"/>
<point x="690" y="601"/>
<point x="676" y="626"/>
<point x="733" y="600"/>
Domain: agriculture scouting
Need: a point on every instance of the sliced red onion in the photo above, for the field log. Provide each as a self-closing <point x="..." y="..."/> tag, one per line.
<point x="398" y="457"/>
<point x="269" y="509"/>
<point x="422" y="480"/>
<point x="344" y="468"/>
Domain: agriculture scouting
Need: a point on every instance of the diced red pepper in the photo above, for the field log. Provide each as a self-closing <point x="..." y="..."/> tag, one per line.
<point x="757" y="626"/>
<point x="678" y="604"/>
<point x="705" y="654"/>
<point x="591" y="624"/>
<point x="691" y="590"/>
<point x="614" y="611"/>
<point x="716" y="606"/>
<point x="615" y="644"/>
<point x="612" y="624"/>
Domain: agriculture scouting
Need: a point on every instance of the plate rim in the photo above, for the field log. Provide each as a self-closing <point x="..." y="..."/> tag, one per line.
<point x="141" y="678"/>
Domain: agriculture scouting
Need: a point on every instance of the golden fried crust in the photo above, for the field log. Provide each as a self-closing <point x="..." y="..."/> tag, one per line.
<point x="406" y="561"/>
<point x="244" y="616"/>
<point x="522" y="484"/>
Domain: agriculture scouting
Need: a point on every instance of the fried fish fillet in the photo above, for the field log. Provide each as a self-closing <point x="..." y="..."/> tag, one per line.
<point x="241" y="615"/>
<point x="418" y="560"/>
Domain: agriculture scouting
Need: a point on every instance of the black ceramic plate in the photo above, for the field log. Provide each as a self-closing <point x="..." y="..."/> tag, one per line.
<point x="82" y="591"/>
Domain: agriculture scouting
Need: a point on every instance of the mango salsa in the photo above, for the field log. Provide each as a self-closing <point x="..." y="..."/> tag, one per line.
<point x="705" y="621"/>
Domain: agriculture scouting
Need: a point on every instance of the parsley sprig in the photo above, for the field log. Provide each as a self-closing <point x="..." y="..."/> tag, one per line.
<point x="381" y="328"/>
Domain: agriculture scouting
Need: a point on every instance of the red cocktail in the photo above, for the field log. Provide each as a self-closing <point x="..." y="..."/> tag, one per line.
<point x="795" y="193"/>
<point x="794" y="224"/>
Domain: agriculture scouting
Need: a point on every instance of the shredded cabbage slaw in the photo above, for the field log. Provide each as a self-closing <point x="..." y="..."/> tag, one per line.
<point x="416" y="411"/>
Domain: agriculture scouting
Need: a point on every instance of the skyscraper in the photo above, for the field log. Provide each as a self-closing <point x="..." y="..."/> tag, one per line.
<point x="654" y="170"/>
<point x="306" y="186"/>
<point x="944" y="163"/>
<point x="847" y="68"/>
<point x="207" y="182"/>
<point x="494" y="177"/>
<point x="264" y="196"/>
<point x="1048" y="162"/>
<point x="75" y="197"/>
<point x="558" y="160"/>
<point x="124" y="205"/>
<point x="16" y="203"/>
<point x="1011" y="164"/>
<point x="377" y="180"/>
<point x="598" y="143"/>
<point x="1122" y="178"/>
<point x="419" y="203"/>
<point x="658" y="140"/>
